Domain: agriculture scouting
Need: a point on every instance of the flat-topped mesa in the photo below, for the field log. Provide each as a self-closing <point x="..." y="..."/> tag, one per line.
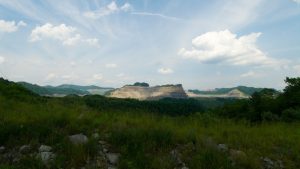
<point x="150" y="93"/>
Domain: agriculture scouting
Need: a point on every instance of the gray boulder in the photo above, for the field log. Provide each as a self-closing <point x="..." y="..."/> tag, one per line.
<point x="96" y="136"/>
<point x="25" y="149"/>
<point x="113" y="158"/>
<point x="78" y="139"/>
<point x="2" y="149"/>
<point x="45" y="148"/>
<point x="223" y="147"/>
<point x="46" y="156"/>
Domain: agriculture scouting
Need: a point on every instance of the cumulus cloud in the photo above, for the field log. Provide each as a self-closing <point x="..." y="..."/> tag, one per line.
<point x="297" y="1"/>
<point x="226" y="47"/>
<point x="10" y="26"/>
<point x="110" y="9"/>
<point x="2" y="59"/>
<point x="165" y="71"/>
<point x="66" y="34"/>
<point x="111" y="65"/>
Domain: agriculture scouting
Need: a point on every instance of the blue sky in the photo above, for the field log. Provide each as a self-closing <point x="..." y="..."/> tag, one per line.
<point x="200" y="44"/>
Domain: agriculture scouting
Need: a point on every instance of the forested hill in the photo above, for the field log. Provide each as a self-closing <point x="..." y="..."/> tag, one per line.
<point x="63" y="90"/>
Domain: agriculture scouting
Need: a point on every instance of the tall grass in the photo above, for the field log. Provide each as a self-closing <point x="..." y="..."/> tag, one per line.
<point x="144" y="139"/>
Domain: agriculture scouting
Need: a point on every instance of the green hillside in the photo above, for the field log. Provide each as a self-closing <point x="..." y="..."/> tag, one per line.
<point x="65" y="89"/>
<point x="97" y="132"/>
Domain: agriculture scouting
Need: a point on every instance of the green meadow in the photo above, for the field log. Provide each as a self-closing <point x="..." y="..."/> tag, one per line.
<point x="144" y="138"/>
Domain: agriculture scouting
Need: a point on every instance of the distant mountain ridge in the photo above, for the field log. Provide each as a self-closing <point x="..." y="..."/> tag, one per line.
<point x="65" y="89"/>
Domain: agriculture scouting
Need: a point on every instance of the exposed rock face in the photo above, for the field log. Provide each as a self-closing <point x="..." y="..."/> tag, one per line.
<point x="150" y="93"/>
<point x="235" y="93"/>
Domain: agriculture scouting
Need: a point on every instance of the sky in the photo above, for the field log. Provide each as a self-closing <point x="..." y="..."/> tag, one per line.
<point x="202" y="44"/>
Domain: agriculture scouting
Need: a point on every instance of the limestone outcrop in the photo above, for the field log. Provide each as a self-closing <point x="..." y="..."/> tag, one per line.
<point x="150" y="93"/>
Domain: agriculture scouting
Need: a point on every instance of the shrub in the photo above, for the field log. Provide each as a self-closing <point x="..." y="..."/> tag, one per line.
<point x="291" y="114"/>
<point x="269" y="116"/>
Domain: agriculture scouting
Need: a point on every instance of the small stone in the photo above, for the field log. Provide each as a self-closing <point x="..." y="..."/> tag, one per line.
<point x="2" y="149"/>
<point x="25" y="149"/>
<point x="105" y="150"/>
<point x="78" y="139"/>
<point x="102" y="142"/>
<point x="237" y="154"/>
<point x="223" y="147"/>
<point x="113" y="158"/>
<point x="111" y="167"/>
<point x="45" y="148"/>
<point x="47" y="156"/>
<point x="268" y="163"/>
<point x="96" y="136"/>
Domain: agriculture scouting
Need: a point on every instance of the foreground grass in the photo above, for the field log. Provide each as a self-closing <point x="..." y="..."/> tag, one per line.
<point x="143" y="139"/>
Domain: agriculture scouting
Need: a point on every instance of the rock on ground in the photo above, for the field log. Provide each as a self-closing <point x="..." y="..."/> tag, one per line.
<point x="223" y="147"/>
<point x="24" y="149"/>
<point x="45" y="148"/>
<point x="2" y="149"/>
<point x="78" y="139"/>
<point x="113" y="158"/>
<point x="46" y="156"/>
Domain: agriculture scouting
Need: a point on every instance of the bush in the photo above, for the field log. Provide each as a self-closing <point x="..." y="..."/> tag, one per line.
<point x="291" y="114"/>
<point x="269" y="116"/>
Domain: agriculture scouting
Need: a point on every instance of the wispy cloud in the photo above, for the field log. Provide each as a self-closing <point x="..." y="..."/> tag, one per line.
<point x="2" y="59"/>
<point x="155" y="15"/>
<point x="165" y="71"/>
<point x="110" y="9"/>
<point x="111" y="65"/>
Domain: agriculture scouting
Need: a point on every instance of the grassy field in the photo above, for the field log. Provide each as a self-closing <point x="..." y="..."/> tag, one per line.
<point x="144" y="139"/>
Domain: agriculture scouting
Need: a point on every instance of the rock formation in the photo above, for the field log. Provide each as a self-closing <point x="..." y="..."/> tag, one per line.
<point x="149" y="93"/>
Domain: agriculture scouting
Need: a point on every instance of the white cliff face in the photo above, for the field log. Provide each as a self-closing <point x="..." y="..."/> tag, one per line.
<point x="149" y="93"/>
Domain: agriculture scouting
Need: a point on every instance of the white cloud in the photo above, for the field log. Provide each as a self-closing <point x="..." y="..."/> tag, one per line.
<point x="98" y="76"/>
<point x="66" y="34"/>
<point x="72" y="40"/>
<point x="61" y="32"/>
<point x="2" y="59"/>
<point x="297" y="68"/>
<point x="120" y="75"/>
<point x="248" y="74"/>
<point x="226" y="47"/>
<point x="93" y="42"/>
<point x="73" y="63"/>
<point x="10" y="26"/>
<point x="111" y="65"/>
<point x="126" y="7"/>
<point x="50" y="76"/>
<point x="297" y="1"/>
<point x="110" y="9"/>
<point x="165" y="71"/>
